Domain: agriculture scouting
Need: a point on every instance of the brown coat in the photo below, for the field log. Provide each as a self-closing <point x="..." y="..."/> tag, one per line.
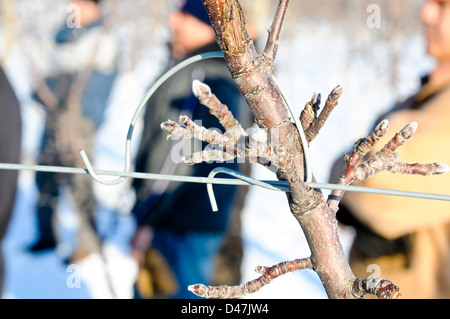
<point x="425" y="272"/>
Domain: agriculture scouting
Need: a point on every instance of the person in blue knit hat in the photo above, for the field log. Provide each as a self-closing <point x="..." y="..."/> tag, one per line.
<point x="195" y="8"/>
<point x="191" y="29"/>
<point x="175" y="220"/>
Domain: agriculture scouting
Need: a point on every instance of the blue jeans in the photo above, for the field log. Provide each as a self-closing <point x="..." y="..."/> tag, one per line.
<point x="192" y="257"/>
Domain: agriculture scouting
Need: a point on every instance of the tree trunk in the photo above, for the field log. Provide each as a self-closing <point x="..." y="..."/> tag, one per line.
<point x="253" y="75"/>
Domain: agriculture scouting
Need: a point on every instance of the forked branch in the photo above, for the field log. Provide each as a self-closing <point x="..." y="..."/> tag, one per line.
<point x="252" y="73"/>
<point x="225" y="147"/>
<point x="273" y="40"/>
<point x="380" y="287"/>
<point x="268" y="274"/>
<point x="235" y="142"/>
<point x="332" y="101"/>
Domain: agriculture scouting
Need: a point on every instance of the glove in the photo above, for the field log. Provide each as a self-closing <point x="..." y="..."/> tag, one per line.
<point x="155" y="278"/>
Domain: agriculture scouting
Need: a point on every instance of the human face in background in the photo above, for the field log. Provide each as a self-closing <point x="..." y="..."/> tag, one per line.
<point x="89" y="11"/>
<point x="188" y="34"/>
<point x="436" y="17"/>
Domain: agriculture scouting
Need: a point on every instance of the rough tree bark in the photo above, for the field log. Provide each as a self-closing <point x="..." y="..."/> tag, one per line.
<point x="252" y="73"/>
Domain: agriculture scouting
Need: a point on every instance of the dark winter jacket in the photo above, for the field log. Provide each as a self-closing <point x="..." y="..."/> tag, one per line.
<point x="10" y="145"/>
<point x="181" y="206"/>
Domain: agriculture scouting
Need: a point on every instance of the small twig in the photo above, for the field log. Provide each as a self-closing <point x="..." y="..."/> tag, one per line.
<point x="268" y="274"/>
<point x="219" y="110"/>
<point x="420" y="169"/>
<point x="386" y="159"/>
<point x="208" y="156"/>
<point x="193" y="130"/>
<point x="272" y="43"/>
<point x="330" y="104"/>
<point x="309" y="113"/>
<point x="361" y="148"/>
<point x="380" y="287"/>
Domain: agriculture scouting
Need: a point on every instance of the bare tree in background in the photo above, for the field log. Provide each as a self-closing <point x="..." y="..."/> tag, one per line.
<point x="316" y="214"/>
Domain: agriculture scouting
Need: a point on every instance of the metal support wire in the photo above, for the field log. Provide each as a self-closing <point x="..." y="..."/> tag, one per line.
<point x="284" y="186"/>
<point x="239" y="179"/>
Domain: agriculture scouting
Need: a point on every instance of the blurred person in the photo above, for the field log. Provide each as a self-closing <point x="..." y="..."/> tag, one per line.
<point x="176" y="226"/>
<point x="10" y="149"/>
<point x="402" y="239"/>
<point x="75" y="96"/>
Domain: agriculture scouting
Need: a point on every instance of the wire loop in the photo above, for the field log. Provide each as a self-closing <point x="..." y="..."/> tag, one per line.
<point x="237" y="175"/>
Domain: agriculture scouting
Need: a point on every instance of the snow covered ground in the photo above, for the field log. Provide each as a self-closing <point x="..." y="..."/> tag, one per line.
<point x="270" y="233"/>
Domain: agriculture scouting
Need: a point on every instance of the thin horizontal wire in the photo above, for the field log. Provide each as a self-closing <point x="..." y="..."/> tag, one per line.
<point x="136" y="175"/>
<point x="273" y="185"/>
<point x="380" y="191"/>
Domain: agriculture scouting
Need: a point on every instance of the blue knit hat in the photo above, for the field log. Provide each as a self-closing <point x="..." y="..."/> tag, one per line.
<point x="197" y="9"/>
